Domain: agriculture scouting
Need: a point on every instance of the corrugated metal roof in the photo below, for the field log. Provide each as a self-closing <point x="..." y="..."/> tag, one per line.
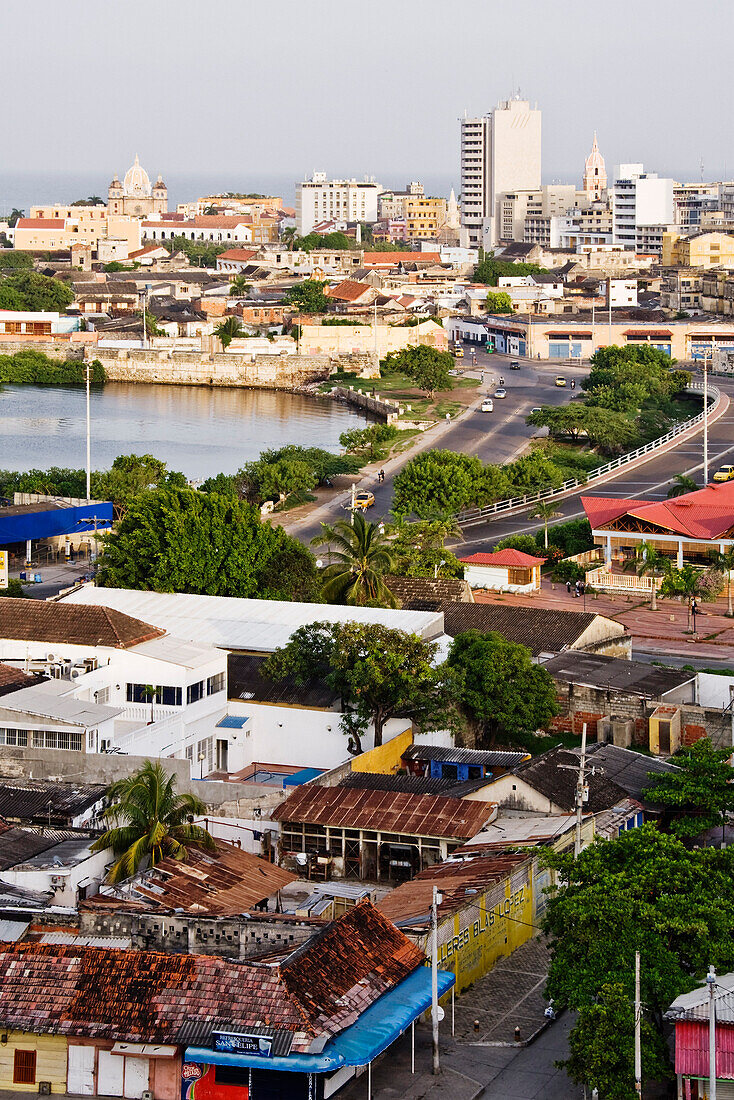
<point x="232" y="722"/>
<point x="12" y="930"/>
<point x="598" y="671"/>
<point x="49" y="700"/>
<point x="121" y="943"/>
<point x="26" y="799"/>
<point x="248" y="625"/>
<point x="386" y="811"/>
<point x="488" y="757"/>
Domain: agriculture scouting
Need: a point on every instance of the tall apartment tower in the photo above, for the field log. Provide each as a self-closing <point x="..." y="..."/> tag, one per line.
<point x="500" y="152"/>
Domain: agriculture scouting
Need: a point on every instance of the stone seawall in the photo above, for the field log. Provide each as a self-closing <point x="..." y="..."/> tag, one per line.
<point x="386" y="411"/>
<point x="51" y="348"/>
<point x="187" y="368"/>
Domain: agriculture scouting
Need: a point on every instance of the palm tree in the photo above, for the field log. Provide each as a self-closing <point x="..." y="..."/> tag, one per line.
<point x="688" y="583"/>
<point x="150" y="694"/>
<point x="649" y="560"/>
<point x="360" y="557"/>
<point x="150" y="821"/>
<point x="544" y="510"/>
<point x="723" y="561"/>
<point x="239" y="287"/>
<point x="682" y="484"/>
<point x="228" y="330"/>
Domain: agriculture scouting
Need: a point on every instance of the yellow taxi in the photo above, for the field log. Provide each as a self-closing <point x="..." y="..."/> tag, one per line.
<point x="560" y="380"/>
<point x="458" y="351"/>
<point x="363" y="500"/>
<point x="724" y="473"/>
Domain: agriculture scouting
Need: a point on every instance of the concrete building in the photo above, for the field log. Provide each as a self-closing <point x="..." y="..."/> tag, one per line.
<point x="696" y="205"/>
<point x="319" y="199"/>
<point x="425" y="215"/>
<point x="136" y="195"/>
<point x="642" y="208"/>
<point x="393" y="205"/>
<point x="702" y="250"/>
<point x="503" y="571"/>
<point x="51" y="229"/>
<point x="500" y="153"/>
<point x="595" y="173"/>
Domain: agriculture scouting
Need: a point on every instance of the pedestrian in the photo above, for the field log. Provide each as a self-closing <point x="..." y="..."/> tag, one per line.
<point x="582" y="587"/>
<point x="568" y="587"/>
<point x="576" y="590"/>
<point x="381" y="476"/>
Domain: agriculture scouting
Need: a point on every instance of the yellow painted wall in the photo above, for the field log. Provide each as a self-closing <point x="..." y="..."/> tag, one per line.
<point x="385" y="759"/>
<point x="51" y="1059"/>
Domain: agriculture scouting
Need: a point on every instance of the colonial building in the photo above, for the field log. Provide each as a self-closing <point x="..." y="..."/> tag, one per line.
<point x="136" y="195"/>
<point x="595" y="173"/>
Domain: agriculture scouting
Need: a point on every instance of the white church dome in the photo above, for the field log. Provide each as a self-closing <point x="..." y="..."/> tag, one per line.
<point x="137" y="182"/>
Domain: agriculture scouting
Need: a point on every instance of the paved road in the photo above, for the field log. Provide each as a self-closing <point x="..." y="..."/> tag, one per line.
<point x="650" y="481"/>
<point x="498" y="436"/>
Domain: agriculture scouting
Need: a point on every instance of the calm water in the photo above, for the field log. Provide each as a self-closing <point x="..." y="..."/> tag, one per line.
<point x="192" y="428"/>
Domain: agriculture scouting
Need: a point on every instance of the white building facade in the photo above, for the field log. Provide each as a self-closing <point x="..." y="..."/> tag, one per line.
<point x="320" y="199"/>
<point x="642" y="208"/>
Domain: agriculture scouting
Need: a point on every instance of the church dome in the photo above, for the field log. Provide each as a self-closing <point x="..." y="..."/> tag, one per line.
<point x="595" y="160"/>
<point x="137" y="182"/>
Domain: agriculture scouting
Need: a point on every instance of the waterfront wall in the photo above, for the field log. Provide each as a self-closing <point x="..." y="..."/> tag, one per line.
<point x="383" y="410"/>
<point x="186" y="368"/>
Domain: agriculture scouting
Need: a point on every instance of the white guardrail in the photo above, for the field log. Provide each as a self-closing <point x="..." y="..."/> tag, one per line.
<point x="478" y="515"/>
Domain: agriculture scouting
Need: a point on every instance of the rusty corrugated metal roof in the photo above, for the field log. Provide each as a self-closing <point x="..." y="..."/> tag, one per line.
<point x="386" y="811"/>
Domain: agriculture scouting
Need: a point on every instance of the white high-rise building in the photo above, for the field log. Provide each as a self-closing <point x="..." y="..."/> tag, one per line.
<point x="642" y="208"/>
<point x="320" y="199"/>
<point x="500" y="153"/>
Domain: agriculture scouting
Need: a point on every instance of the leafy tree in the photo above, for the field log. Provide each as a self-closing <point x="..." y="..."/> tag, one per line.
<point x="15" y="589"/>
<point x="610" y="431"/>
<point x="700" y="794"/>
<point x="338" y="240"/>
<point x="723" y="562"/>
<point x="15" y="217"/>
<point x="642" y="891"/>
<point x="489" y="270"/>
<point x="307" y="297"/>
<point x="180" y="540"/>
<point x="227" y="485"/>
<point x="255" y="482"/>
<point x="35" y="368"/>
<point x="681" y="485"/>
<point x="650" y="562"/>
<point x="602" y="1046"/>
<point x="419" y="549"/>
<point x="532" y="472"/>
<point x="438" y="482"/>
<point x="427" y="367"/>
<point x="689" y="584"/>
<point x="545" y="510"/>
<point x="279" y="479"/>
<point x="198" y="253"/>
<point x="527" y="544"/>
<point x="500" y="687"/>
<point x="132" y="475"/>
<point x="571" y="538"/>
<point x="93" y="200"/>
<point x="16" y="261"/>
<point x="499" y="302"/>
<point x="379" y="673"/>
<point x="369" y="441"/>
<point x="36" y="293"/>
<point x="360" y="558"/>
<point x="150" y="822"/>
<point x="228" y="330"/>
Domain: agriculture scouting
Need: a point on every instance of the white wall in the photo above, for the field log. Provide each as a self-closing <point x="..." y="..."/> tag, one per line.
<point x="39" y="878"/>
<point x="654" y="201"/>
<point x="714" y="691"/>
<point x="511" y="791"/>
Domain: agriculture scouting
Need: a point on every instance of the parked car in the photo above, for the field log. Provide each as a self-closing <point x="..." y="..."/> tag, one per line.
<point x="500" y="393"/>
<point x="458" y="351"/>
<point x="514" y="365"/>
<point x="488" y="405"/>
<point x="364" y="499"/>
<point x="724" y="473"/>
<point x="536" y="409"/>
<point x="560" y="380"/>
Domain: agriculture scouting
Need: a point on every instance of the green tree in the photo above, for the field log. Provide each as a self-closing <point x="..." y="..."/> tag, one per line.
<point x="15" y="217"/>
<point x="545" y="510"/>
<point x="228" y="330"/>
<point x="15" y="590"/>
<point x="279" y="479"/>
<point x="150" y="822"/>
<point x="500" y="687"/>
<point x="650" y="562"/>
<point x="10" y="260"/>
<point x="610" y="431"/>
<point x="93" y="200"/>
<point x="527" y="544"/>
<point x="307" y="297"/>
<point x="532" y="472"/>
<point x="435" y="483"/>
<point x="427" y="367"/>
<point x="359" y="560"/>
<point x="687" y="582"/>
<point x="181" y="540"/>
<point x="35" y="368"/>
<point x="642" y="891"/>
<point x="198" y="253"/>
<point x="723" y="562"/>
<point x="489" y="270"/>
<point x="369" y="441"/>
<point x="681" y="485"/>
<point x="131" y="475"/>
<point x="700" y="794"/>
<point x="227" y="485"/>
<point x="419" y="549"/>
<point x="499" y="302"/>
<point x="378" y="673"/>
<point x="602" y="1046"/>
<point x="239" y="287"/>
<point x="36" y="293"/>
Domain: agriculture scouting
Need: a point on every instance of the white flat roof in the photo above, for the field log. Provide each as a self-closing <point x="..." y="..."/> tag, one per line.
<point x="177" y="652"/>
<point x="50" y="701"/>
<point x="232" y="623"/>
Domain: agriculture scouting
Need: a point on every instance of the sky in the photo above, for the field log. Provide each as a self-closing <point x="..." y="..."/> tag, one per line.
<point x="239" y="90"/>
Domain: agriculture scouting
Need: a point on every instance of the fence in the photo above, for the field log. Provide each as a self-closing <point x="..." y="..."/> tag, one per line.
<point x="518" y="504"/>
<point x="622" y="582"/>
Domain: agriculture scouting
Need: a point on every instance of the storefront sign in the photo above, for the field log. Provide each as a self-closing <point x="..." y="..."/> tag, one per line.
<point x="242" y="1043"/>
<point x="191" y="1071"/>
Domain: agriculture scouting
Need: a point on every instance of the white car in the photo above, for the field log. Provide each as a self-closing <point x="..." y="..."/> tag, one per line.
<point x="487" y="405"/>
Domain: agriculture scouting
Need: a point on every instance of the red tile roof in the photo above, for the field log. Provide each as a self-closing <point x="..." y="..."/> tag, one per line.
<point x="237" y="254"/>
<point x="706" y="514"/>
<point x="209" y="221"/>
<point x="349" y="291"/>
<point x="40" y="223"/>
<point x="388" y="811"/>
<point x="14" y="678"/>
<point x="130" y="996"/>
<point x="512" y="558"/>
<point x="75" y="624"/>
<point x="389" y="259"/>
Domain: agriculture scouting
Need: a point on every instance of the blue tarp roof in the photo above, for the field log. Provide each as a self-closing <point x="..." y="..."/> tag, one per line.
<point x="21" y="526"/>
<point x="302" y="776"/>
<point x="375" y="1030"/>
<point x="232" y="722"/>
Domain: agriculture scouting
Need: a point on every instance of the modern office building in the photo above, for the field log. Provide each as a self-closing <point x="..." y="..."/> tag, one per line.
<point x="642" y="208"/>
<point x="320" y="199"/>
<point x="500" y="153"/>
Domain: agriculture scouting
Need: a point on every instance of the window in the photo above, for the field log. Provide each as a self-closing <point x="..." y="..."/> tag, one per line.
<point x="194" y="692"/>
<point x="519" y="576"/>
<point x="164" y="695"/>
<point x="13" y="737"/>
<point x="24" y="1067"/>
<point x="216" y="683"/>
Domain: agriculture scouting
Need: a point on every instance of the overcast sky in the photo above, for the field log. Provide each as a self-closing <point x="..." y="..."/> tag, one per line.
<point x="286" y="88"/>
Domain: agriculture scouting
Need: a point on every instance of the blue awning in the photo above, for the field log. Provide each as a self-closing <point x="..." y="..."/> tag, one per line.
<point x="375" y="1030"/>
<point x="49" y="522"/>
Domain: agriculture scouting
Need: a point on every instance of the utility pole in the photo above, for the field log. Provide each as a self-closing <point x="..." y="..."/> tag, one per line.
<point x="638" y="1025"/>
<point x="89" y="442"/>
<point x="610" y="311"/>
<point x="705" y="421"/>
<point x="711" y="982"/>
<point x="580" y="792"/>
<point x="434" y="978"/>
<point x="351" y="512"/>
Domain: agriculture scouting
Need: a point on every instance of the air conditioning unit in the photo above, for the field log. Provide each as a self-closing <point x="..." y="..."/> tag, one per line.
<point x="50" y="656"/>
<point x="90" y="664"/>
<point x="57" y="880"/>
<point x="56" y="672"/>
<point x="76" y="673"/>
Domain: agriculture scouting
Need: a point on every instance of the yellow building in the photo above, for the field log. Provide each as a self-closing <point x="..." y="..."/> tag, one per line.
<point x="424" y="216"/>
<point x="27" y="1059"/>
<point x="55" y="227"/>
<point x="705" y="250"/>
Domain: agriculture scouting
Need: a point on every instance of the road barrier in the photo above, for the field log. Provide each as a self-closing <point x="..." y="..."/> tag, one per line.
<point x="518" y="504"/>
